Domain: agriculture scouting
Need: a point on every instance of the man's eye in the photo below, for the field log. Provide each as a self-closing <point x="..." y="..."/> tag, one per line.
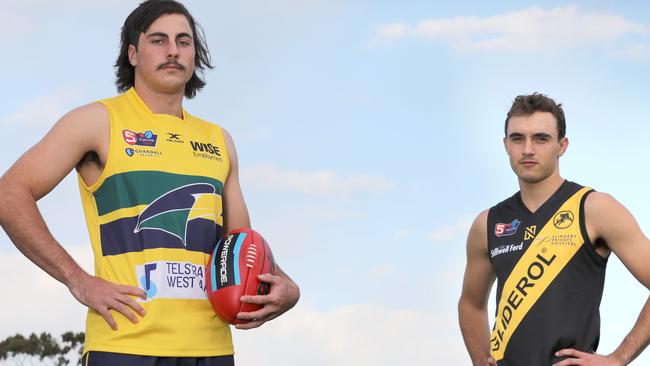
<point x="157" y="41"/>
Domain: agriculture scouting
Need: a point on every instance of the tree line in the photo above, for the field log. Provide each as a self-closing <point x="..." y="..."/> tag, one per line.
<point x="43" y="349"/>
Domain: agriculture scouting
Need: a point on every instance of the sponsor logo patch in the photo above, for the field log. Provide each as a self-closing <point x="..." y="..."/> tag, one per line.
<point x="557" y="240"/>
<point x="130" y="152"/>
<point x="507" y="229"/>
<point x="172" y="280"/>
<point x="206" y="151"/>
<point x="563" y="219"/>
<point x="508" y="248"/>
<point x="146" y="138"/>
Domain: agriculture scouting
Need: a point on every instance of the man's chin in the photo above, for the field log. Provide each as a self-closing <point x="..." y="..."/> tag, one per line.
<point x="531" y="178"/>
<point x="172" y="87"/>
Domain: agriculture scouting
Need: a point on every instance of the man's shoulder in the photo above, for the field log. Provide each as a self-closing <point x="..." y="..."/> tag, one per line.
<point x="119" y="96"/>
<point x="599" y="200"/>
<point x="591" y="196"/>
<point x="90" y="113"/>
<point x="479" y="225"/>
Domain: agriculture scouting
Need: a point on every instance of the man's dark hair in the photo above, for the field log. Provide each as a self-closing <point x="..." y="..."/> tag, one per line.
<point x="138" y="22"/>
<point x="525" y="105"/>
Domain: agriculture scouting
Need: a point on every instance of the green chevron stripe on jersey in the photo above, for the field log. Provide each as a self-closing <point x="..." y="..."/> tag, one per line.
<point x="118" y="190"/>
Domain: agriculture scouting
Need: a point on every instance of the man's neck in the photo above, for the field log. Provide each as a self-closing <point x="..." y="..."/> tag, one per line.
<point x="535" y="194"/>
<point x="161" y="103"/>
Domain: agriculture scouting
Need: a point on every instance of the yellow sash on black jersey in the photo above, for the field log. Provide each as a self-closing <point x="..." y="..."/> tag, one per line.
<point x="553" y="247"/>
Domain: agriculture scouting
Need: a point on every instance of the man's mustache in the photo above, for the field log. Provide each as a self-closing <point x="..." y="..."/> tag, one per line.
<point x="170" y="63"/>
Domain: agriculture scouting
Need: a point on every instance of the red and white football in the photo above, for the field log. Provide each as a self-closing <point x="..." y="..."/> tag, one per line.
<point x="239" y="257"/>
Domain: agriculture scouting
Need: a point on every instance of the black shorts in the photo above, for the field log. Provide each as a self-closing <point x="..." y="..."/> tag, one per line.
<point x="93" y="358"/>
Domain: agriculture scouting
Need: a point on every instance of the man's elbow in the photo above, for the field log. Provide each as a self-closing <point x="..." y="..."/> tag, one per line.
<point x="10" y="192"/>
<point x="467" y="306"/>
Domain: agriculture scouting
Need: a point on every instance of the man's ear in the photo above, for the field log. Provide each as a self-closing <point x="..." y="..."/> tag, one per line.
<point x="564" y="144"/>
<point x="133" y="55"/>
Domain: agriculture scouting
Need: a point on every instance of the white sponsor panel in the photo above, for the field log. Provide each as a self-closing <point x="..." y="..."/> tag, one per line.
<point x="172" y="280"/>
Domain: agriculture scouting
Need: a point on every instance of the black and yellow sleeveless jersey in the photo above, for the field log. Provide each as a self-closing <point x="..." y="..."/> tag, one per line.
<point x="549" y="279"/>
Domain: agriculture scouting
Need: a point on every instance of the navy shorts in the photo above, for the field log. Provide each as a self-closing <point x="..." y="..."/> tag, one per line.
<point x="94" y="358"/>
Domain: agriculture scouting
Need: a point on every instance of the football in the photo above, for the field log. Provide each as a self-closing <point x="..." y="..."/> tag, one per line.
<point x="239" y="257"/>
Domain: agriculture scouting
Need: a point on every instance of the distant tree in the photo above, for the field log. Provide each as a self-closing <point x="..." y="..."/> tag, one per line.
<point x="42" y="350"/>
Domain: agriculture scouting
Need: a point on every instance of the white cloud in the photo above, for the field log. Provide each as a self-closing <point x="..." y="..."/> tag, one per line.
<point x="13" y="23"/>
<point x="45" y="110"/>
<point x="455" y="230"/>
<point x="35" y="302"/>
<point x="317" y="182"/>
<point x="637" y="52"/>
<point x="361" y="334"/>
<point x="530" y="29"/>
<point x="394" y="31"/>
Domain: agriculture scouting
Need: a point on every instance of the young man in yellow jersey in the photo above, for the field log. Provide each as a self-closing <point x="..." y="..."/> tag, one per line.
<point x="547" y="247"/>
<point x="158" y="187"/>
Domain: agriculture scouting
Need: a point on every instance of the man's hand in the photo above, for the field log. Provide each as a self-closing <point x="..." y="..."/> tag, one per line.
<point x="587" y="359"/>
<point x="491" y="361"/>
<point x="283" y="296"/>
<point x="102" y="296"/>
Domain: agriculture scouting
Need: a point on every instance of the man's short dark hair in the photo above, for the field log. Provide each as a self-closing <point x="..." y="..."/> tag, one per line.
<point x="525" y="105"/>
<point x="138" y="22"/>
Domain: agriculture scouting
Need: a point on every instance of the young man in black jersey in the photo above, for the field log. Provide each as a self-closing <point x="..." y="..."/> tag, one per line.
<point x="547" y="247"/>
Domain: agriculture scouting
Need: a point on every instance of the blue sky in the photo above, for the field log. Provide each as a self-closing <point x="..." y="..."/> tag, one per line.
<point x="369" y="136"/>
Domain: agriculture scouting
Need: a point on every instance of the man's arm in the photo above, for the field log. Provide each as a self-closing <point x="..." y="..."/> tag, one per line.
<point x="608" y="220"/>
<point x="472" y="306"/>
<point x="284" y="292"/>
<point x="33" y="176"/>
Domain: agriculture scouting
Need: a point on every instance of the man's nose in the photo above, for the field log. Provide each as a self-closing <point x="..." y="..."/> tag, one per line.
<point x="528" y="147"/>
<point x="172" y="50"/>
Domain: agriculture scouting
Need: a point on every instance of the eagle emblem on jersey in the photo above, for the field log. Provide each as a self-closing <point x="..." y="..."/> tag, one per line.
<point x="174" y="211"/>
<point x="563" y="219"/>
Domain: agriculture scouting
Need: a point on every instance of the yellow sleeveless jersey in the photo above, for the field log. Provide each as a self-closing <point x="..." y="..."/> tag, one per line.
<point x="153" y="216"/>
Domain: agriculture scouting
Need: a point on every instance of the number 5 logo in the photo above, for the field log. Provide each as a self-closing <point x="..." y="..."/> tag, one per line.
<point x="499" y="229"/>
<point x="130" y="137"/>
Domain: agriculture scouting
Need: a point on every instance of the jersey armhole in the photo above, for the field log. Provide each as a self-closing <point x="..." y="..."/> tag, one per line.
<point x="102" y="177"/>
<point x="487" y="236"/>
<point x="589" y="247"/>
<point x="226" y="155"/>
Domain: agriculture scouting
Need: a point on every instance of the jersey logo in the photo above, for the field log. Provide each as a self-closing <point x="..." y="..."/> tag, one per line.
<point x="530" y="232"/>
<point x="507" y="229"/>
<point x="563" y="220"/>
<point x="146" y="138"/>
<point x="175" y="138"/>
<point x="172" y="280"/>
<point x="207" y="148"/>
<point x="173" y="212"/>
